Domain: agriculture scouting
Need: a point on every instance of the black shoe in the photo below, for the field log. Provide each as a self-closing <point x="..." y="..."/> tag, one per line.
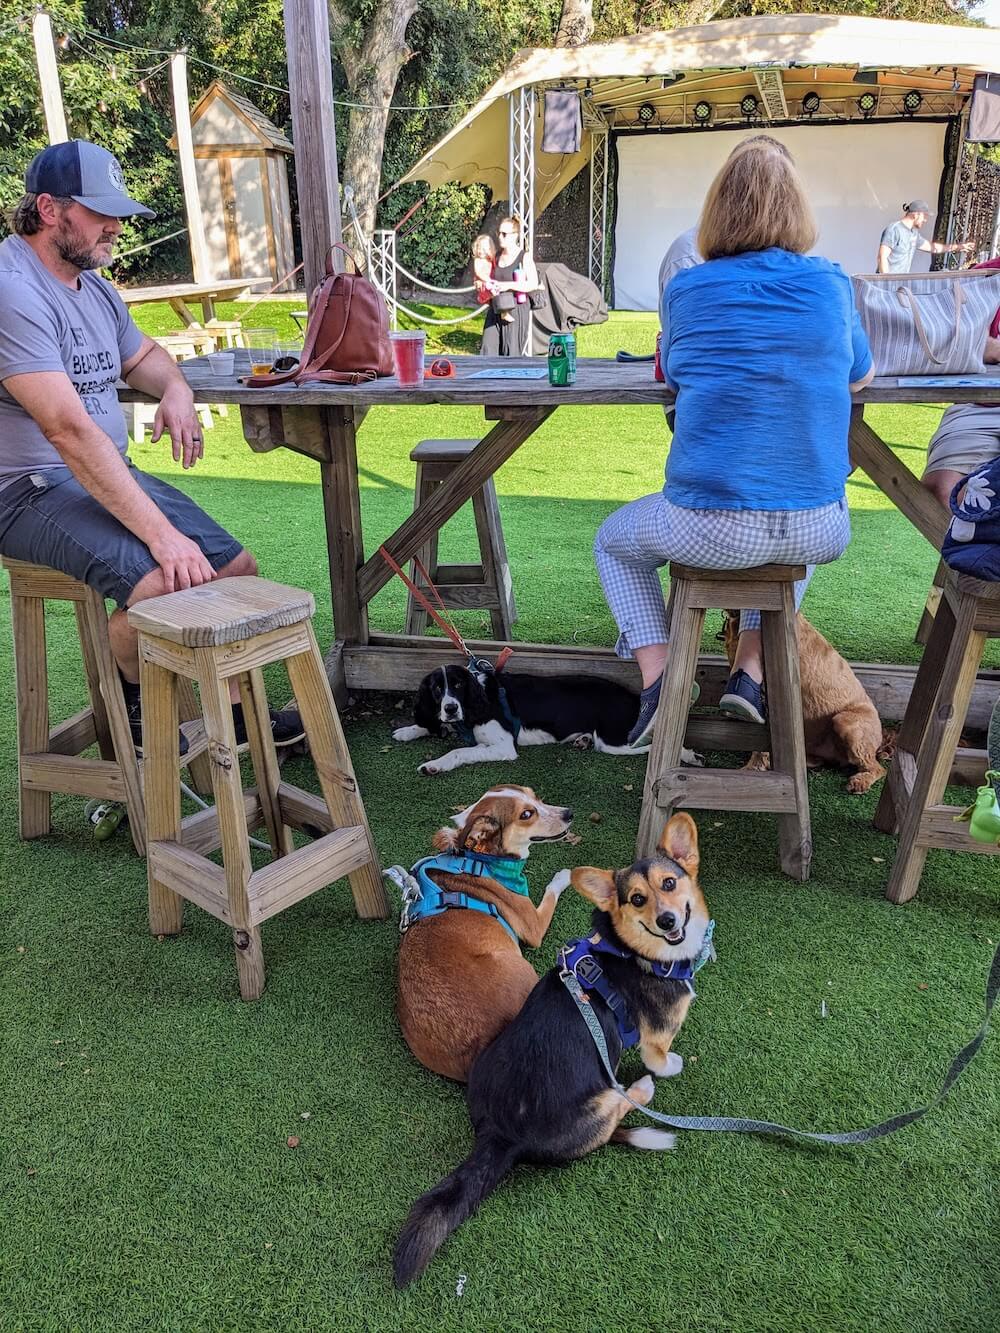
<point x="649" y="702"/>
<point x="133" y="708"/>
<point x="744" y="698"/>
<point x="286" y="725"/>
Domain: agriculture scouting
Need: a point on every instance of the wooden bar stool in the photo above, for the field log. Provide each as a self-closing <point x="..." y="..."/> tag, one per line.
<point x="782" y="791"/>
<point x="967" y="615"/>
<point x="234" y="627"/>
<point x="486" y="586"/>
<point x="51" y="759"/>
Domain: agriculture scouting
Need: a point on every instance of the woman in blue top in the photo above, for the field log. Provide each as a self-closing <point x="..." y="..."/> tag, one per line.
<point x="763" y="346"/>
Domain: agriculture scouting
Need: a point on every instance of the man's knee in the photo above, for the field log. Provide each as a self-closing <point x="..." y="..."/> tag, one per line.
<point x="244" y="565"/>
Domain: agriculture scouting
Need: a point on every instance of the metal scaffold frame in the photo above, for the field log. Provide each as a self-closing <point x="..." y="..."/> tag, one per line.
<point x="382" y="259"/>
<point x="597" y="248"/>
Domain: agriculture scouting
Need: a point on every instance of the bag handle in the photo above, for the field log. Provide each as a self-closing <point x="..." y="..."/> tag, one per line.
<point x="337" y="245"/>
<point x="907" y="297"/>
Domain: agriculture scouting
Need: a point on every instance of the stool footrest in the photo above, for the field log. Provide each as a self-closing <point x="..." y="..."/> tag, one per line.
<point x="294" y="877"/>
<point x="75" y="734"/>
<point x="722" y="789"/>
<point x="73" y="776"/>
<point x="938" y="828"/>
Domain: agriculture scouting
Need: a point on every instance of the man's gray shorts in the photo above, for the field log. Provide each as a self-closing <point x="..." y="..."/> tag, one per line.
<point x="50" y="519"/>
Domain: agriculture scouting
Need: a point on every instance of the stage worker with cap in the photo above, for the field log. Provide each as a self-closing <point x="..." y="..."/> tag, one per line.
<point x="901" y="239"/>
<point x="70" y="497"/>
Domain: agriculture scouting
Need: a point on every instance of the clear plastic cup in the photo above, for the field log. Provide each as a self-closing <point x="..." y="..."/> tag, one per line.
<point x="262" y="347"/>
<point x="222" y="363"/>
<point x="408" y="355"/>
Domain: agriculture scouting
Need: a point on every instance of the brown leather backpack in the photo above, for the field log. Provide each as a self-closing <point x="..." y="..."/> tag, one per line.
<point x="347" y="334"/>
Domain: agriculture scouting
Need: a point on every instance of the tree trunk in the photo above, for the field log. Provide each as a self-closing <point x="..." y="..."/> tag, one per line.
<point x="372" y="70"/>
<point x="576" y="23"/>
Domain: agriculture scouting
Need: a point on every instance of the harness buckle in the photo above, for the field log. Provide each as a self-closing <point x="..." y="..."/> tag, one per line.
<point x="589" y="970"/>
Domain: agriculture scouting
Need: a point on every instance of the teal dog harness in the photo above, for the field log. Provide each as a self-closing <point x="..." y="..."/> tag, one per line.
<point x="423" y="898"/>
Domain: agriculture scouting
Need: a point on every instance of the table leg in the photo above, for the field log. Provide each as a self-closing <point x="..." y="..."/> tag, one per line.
<point x="208" y="308"/>
<point x="872" y="455"/>
<point x="181" y="308"/>
<point x="342" y="513"/>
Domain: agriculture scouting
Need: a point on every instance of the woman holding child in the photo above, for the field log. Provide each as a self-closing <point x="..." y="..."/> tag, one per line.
<point x="763" y="346"/>
<point x="505" y="277"/>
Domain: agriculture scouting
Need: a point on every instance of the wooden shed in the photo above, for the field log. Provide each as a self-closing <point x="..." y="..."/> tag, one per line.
<point x="240" y="158"/>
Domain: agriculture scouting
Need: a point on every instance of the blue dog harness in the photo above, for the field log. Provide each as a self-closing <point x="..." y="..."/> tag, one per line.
<point x="423" y="898"/>
<point x="577" y="959"/>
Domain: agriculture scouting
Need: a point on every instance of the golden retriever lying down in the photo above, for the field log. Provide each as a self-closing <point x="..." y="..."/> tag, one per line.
<point x="841" y="725"/>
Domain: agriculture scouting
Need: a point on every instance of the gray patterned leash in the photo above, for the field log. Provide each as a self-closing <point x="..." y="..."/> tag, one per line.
<point x="740" y="1125"/>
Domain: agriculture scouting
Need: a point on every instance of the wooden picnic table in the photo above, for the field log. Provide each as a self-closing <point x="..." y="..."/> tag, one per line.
<point x="179" y="294"/>
<point x="321" y="421"/>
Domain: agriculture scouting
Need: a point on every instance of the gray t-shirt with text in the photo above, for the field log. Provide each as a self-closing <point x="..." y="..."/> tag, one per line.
<point x="46" y="326"/>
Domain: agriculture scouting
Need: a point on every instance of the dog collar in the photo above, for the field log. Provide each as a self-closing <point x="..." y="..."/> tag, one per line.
<point x="478" y="666"/>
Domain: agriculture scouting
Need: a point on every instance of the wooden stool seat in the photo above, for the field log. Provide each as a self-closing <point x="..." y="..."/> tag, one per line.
<point x="235" y="627"/>
<point x="968" y="613"/>
<point x="52" y="759"/>
<point x="782" y="791"/>
<point x="483" y="586"/>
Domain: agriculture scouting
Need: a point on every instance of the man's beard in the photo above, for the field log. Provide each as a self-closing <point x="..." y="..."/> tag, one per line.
<point x="71" y="251"/>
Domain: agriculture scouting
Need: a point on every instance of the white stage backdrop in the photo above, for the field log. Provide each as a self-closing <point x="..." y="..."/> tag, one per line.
<point x="858" y="177"/>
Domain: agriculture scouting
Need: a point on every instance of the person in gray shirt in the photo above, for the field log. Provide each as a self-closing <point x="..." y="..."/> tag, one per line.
<point x="902" y="239"/>
<point x="70" y="498"/>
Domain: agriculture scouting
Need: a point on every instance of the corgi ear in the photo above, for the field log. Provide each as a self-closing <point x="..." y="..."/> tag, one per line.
<point x="445" y="839"/>
<point x="598" y="886"/>
<point x="483" y="835"/>
<point x="679" y="841"/>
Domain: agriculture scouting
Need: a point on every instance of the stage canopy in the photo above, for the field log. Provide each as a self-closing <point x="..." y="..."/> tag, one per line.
<point x="863" y="104"/>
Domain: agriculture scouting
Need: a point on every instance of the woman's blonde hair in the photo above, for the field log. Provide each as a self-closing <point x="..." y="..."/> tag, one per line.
<point x="756" y="201"/>
<point x="483" y="246"/>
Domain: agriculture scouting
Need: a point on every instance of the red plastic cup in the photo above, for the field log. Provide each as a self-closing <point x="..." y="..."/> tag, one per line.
<point x="408" y="356"/>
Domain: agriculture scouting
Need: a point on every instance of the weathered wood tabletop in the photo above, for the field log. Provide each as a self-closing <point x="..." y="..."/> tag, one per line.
<point x="320" y="421"/>
<point x="178" y="294"/>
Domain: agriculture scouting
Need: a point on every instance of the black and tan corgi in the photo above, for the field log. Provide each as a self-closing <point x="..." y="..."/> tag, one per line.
<point x="539" y="1092"/>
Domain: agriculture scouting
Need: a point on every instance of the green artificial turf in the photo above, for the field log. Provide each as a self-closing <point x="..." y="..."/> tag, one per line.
<point x="147" y="1181"/>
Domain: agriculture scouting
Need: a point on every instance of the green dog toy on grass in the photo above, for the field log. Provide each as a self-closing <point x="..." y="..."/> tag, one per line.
<point x="984" y="816"/>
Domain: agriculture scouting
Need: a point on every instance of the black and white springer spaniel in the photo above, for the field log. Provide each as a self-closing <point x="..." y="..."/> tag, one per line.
<point x="493" y="715"/>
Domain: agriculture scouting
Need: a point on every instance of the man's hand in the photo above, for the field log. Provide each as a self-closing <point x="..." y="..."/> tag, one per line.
<point x="177" y="416"/>
<point x="181" y="561"/>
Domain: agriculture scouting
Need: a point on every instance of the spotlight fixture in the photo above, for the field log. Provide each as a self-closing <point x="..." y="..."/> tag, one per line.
<point x="810" y="104"/>
<point x="956" y="86"/>
<point x="912" y="102"/>
<point x="588" y="92"/>
<point x="867" y="105"/>
<point x="647" y="113"/>
<point x="749" y="107"/>
<point x="702" y="112"/>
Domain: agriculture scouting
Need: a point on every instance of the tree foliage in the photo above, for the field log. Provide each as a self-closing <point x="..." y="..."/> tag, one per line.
<point x="459" y="47"/>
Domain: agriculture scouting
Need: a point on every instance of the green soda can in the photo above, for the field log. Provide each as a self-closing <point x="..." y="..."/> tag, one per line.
<point x="562" y="359"/>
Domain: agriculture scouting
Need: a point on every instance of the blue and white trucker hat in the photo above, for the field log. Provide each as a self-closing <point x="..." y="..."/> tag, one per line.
<point x="85" y="173"/>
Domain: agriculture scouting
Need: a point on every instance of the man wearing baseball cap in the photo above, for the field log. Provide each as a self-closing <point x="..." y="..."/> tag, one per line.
<point x="901" y="239"/>
<point x="70" y="497"/>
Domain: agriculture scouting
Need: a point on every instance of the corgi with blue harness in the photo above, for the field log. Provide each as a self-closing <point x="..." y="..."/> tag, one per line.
<point x="466" y="911"/>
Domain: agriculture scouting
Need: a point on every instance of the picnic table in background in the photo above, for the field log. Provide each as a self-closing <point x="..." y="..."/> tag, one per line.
<point x="179" y="294"/>
<point x="320" y="421"/>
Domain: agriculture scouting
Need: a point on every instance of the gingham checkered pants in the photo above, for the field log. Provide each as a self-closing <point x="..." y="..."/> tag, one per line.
<point x="637" y="540"/>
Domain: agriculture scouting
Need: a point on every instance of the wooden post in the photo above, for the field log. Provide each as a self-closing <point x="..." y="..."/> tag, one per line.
<point x="310" y="79"/>
<point x="48" y="78"/>
<point x="200" y="262"/>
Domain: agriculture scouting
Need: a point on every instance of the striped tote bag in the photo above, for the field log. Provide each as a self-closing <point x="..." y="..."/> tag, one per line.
<point x="927" y="323"/>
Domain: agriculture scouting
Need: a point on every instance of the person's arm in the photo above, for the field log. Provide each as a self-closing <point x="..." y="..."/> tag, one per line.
<point x="882" y="263"/>
<point x="862" y="370"/>
<point x="92" y="456"/>
<point x="943" y="248"/>
<point x="152" y="370"/>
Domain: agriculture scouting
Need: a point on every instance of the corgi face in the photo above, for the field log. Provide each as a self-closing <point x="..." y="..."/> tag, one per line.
<point x="504" y="822"/>
<point x="655" y="905"/>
